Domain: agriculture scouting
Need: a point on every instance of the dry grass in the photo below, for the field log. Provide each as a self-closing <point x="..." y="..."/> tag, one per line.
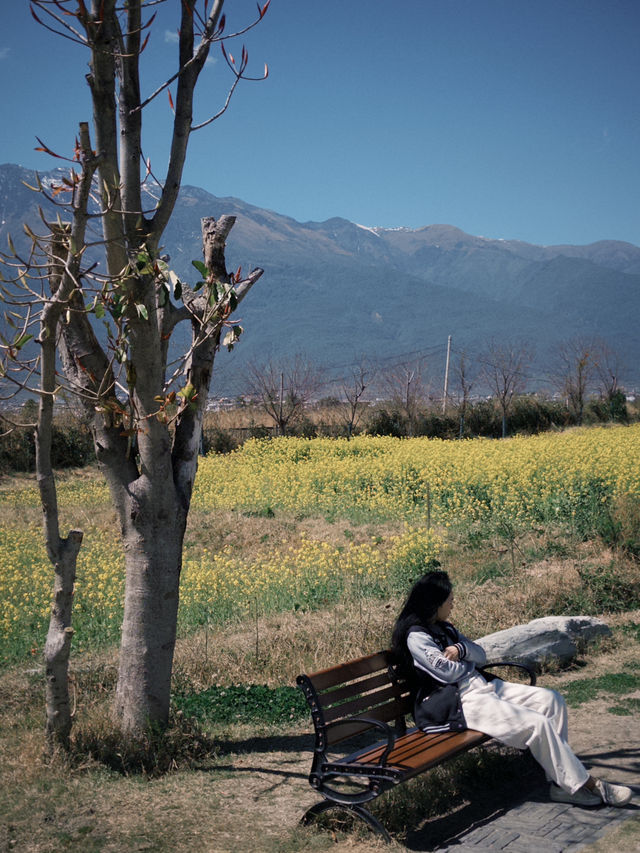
<point x="287" y="644"/>
<point x="251" y="534"/>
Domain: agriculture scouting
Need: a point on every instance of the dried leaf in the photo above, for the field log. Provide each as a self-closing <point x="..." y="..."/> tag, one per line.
<point x="47" y="150"/>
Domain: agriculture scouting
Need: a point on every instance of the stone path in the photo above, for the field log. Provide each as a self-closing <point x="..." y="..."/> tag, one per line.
<point x="538" y="824"/>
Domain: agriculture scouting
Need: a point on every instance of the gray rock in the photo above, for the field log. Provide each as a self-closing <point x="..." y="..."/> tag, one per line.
<point x="550" y="638"/>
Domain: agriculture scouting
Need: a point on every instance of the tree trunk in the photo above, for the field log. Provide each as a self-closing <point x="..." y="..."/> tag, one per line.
<point x="63" y="553"/>
<point x="153" y="562"/>
<point x="153" y="503"/>
<point x="58" y="645"/>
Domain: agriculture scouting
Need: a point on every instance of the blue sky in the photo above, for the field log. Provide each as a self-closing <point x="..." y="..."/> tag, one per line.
<point x="515" y="119"/>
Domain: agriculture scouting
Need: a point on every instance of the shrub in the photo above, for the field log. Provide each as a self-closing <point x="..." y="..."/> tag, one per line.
<point x="387" y="422"/>
<point x="259" y="431"/>
<point x="612" y="409"/>
<point x="482" y="418"/>
<point x="531" y="415"/>
<point x="72" y="447"/>
<point x="618" y="407"/>
<point x="304" y="428"/>
<point x="218" y="441"/>
<point x="436" y="425"/>
<point x="17" y="452"/>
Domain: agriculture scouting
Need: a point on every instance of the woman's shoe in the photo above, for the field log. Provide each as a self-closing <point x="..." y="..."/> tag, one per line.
<point x="612" y="795"/>
<point x="582" y="797"/>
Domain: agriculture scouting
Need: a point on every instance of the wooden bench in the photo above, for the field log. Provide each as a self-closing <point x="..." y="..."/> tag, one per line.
<point x="361" y="698"/>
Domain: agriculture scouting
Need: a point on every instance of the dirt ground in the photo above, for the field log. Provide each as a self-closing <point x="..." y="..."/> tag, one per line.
<point x="273" y="776"/>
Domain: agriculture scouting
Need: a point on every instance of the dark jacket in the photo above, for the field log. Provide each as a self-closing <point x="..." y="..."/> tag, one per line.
<point x="437" y="705"/>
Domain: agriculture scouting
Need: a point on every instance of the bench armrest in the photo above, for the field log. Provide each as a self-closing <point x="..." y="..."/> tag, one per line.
<point x="529" y="670"/>
<point x="385" y="727"/>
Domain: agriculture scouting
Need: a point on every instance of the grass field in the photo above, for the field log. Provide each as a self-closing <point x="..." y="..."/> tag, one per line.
<point x="297" y="555"/>
<point x="300" y="524"/>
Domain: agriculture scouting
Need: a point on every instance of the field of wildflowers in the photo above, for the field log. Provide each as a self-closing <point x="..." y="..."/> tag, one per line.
<point x="552" y="476"/>
<point x="428" y="485"/>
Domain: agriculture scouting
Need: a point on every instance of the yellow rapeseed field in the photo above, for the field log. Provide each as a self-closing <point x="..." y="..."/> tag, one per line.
<point x="522" y="481"/>
<point x="524" y="478"/>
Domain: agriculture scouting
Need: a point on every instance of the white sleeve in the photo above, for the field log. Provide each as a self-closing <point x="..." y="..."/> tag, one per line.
<point x="472" y="651"/>
<point x="428" y="657"/>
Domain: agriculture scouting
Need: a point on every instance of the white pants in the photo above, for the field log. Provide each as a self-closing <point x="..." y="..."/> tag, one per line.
<point x="525" y="717"/>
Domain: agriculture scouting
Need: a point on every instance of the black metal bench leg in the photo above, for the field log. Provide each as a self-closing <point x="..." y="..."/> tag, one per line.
<point x="355" y="809"/>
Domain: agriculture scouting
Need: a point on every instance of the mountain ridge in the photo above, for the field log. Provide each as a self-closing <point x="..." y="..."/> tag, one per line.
<point x="337" y="290"/>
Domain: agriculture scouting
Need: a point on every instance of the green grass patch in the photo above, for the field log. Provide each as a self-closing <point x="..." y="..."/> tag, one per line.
<point x="491" y="571"/>
<point x="587" y="689"/>
<point x="626" y="708"/>
<point x="244" y="703"/>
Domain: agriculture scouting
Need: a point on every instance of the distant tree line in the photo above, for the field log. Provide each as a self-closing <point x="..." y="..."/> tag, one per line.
<point x="529" y="414"/>
<point x="286" y="398"/>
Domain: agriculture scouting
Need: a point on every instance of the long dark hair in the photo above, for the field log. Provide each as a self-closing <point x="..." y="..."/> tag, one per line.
<point x="420" y="608"/>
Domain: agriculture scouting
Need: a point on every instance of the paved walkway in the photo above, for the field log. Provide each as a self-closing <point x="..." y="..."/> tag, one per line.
<point x="538" y="825"/>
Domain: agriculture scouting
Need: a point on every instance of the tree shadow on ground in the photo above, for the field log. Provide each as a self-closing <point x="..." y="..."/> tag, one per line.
<point x="271" y="771"/>
<point x="625" y="760"/>
<point x="270" y="743"/>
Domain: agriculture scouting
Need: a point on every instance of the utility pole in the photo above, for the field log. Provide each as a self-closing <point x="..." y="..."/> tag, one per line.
<point x="446" y="377"/>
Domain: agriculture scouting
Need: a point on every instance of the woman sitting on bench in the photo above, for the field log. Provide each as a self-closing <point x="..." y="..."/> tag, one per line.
<point x="450" y="695"/>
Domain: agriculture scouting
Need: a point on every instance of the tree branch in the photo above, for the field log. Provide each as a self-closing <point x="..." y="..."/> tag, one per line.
<point x="131" y="122"/>
<point x="200" y="364"/>
<point x="103" y="33"/>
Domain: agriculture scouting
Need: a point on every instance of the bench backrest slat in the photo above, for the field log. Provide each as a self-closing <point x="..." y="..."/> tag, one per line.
<point x="343" y="729"/>
<point x="348" y="671"/>
<point x="369" y="704"/>
<point x="354" y="688"/>
<point x="366" y="687"/>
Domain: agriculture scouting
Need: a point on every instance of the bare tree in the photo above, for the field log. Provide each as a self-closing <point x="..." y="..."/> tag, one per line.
<point x="609" y="372"/>
<point x="145" y="412"/>
<point x="464" y="380"/>
<point x="354" y="385"/>
<point x="504" y="368"/>
<point x="406" y="386"/>
<point x="575" y="372"/>
<point x="284" y="388"/>
<point x="608" y="369"/>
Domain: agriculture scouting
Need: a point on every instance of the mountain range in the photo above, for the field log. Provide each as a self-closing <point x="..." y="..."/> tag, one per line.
<point x="336" y="291"/>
